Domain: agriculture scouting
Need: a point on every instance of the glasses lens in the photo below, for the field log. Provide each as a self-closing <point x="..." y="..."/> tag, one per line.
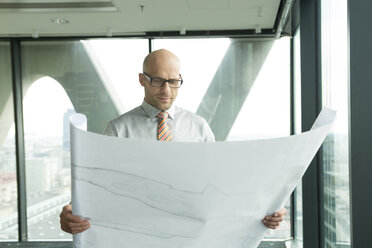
<point x="157" y="82"/>
<point x="174" y="83"/>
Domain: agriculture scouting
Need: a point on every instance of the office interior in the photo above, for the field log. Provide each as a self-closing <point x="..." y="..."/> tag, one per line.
<point x="254" y="69"/>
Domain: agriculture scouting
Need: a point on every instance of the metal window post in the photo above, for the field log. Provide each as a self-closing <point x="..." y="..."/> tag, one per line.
<point x="360" y="120"/>
<point x="20" y="147"/>
<point x="311" y="106"/>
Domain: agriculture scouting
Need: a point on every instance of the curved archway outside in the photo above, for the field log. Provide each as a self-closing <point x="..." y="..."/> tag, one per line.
<point x="47" y="108"/>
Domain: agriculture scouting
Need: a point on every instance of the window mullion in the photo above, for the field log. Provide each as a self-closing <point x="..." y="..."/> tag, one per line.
<point x="20" y="145"/>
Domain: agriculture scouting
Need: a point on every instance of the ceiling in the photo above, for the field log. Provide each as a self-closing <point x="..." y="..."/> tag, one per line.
<point x="36" y="18"/>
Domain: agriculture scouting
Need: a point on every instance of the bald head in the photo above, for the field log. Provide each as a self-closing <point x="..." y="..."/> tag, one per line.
<point x="162" y="59"/>
<point x="160" y="64"/>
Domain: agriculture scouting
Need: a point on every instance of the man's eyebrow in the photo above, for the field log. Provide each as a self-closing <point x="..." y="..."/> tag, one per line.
<point x="158" y="77"/>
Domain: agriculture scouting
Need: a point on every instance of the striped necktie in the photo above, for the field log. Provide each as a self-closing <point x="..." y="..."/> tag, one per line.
<point x="164" y="132"/>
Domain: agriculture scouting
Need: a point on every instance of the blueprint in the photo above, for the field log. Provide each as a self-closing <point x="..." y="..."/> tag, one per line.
<point x="151" y="194"/>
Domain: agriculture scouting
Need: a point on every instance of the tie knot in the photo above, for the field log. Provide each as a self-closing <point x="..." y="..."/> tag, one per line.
<point x="162" y="115"/>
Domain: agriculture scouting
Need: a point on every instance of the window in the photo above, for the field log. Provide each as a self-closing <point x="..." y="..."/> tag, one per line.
<point x="118" y="63"/>
<point x="8" y="177"/>
<point x="298" y="233"/>
<point x="200" y="60"/>
<point x="265" y="112"/>
<point x="46" y="127"/>
<point x="99" y="78"/>
<point x="335" y="148"/>
<point x="248" y="81"/>
<point x="68" y="77"/>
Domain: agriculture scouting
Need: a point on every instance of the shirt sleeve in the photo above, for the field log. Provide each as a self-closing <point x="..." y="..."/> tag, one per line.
<point x="207" y="133"/>
<point x="110" y="130"/>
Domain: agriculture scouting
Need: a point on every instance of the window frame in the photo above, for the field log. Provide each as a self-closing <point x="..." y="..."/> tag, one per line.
<point x="16" y="53"/>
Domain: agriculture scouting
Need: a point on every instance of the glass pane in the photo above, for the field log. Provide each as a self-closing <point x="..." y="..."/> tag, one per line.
<point x="8" y="177"/>
<point x="266" y="110"/>
<point x="46" y="110"/>
<point x="87" y="77"/>
<point x="118" y="63"/>
<point x="298" y="232"/>
<point x="335" y="148"/>
<point x="200" y="59"/>
<point x="245" y="80"/>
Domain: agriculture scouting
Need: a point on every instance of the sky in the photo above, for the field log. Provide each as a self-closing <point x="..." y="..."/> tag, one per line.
<point x="44" y="106"/>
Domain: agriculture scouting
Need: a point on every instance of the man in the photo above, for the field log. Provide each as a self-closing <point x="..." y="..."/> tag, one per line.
<point x="157" y="118"/>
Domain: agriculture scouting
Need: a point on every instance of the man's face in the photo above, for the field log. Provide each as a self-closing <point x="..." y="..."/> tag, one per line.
<point x="163" y="97"/>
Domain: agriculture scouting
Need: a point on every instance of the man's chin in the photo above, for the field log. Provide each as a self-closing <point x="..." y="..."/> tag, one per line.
<point x="164" y="106"/>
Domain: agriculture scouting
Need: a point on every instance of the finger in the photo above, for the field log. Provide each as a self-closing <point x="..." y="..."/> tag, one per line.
<point x="73" y="228"/>
<point x="271" y="223"/>
<point x="66" y="230"/>
<point x="277" y="219"/>
<point x="272" y="227"/>
<point x="73" y="218"/>
<point x="79" y="229"/>
<point x="67" y="208"/>
<point x="67" y="214"/>
<point x="283" y="211"/>
<point x="268" y="225"/>
<point x="271" y="218"/>
<point x="69" y="224"/>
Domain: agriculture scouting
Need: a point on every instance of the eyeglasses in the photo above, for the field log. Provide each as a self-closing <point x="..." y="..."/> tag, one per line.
<point x="159" y="82"/>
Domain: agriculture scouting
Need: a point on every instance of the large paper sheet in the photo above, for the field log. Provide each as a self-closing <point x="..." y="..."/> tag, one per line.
<point x="150" y="194"/>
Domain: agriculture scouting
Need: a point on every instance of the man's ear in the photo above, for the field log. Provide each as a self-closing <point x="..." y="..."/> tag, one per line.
<point x="141" y="79"/>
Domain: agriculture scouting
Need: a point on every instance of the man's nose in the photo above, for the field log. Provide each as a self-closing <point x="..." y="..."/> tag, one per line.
<point x="165" y="86"/>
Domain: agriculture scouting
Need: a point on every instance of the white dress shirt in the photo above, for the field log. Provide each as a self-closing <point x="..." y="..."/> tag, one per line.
<point x="141" y="123"/>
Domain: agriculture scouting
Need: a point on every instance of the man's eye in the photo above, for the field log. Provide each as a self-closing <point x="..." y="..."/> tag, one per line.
<point x="157" y="80"/>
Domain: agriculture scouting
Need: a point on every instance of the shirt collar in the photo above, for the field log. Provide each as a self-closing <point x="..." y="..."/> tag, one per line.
<point x="152" y="112"/>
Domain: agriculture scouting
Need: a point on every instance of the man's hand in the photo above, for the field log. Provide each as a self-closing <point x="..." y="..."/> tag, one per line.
<point x="273" y="221"/>
<point x="71" y="223"/>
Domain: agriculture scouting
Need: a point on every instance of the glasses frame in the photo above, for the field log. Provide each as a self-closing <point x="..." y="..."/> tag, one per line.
<point x="164" y="80"/>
